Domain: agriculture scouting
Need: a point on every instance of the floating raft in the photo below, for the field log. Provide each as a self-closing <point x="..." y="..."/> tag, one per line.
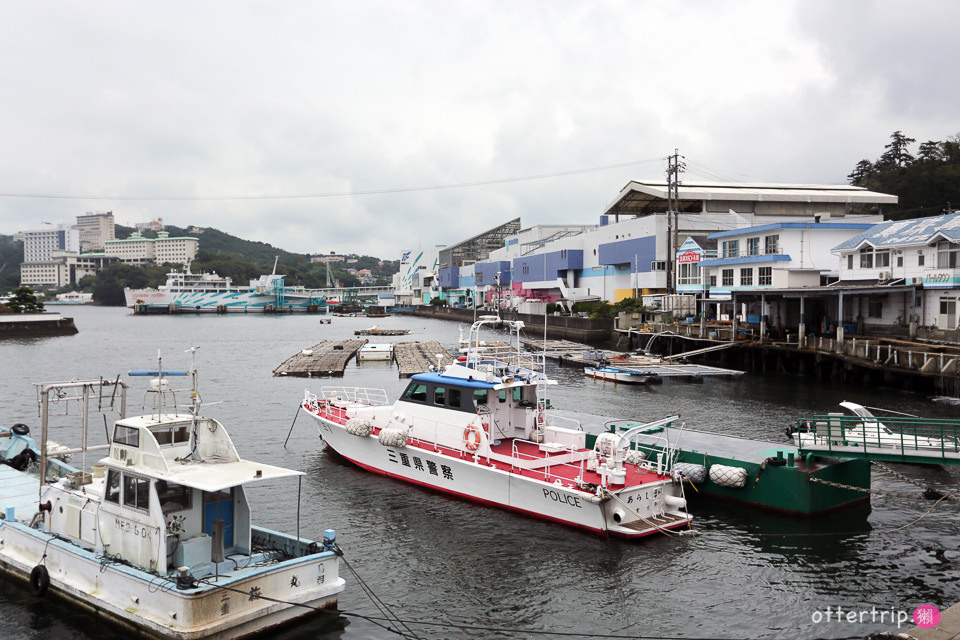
<point x="578" y="354"/>
<point x="417" y="357"/>
<point x="329" y="358"/>
<point x="763" y="474"/>
<point x="381" y="332"/>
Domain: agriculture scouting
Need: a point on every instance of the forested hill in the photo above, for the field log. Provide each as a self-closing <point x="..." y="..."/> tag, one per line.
<point x="926" y="184"/>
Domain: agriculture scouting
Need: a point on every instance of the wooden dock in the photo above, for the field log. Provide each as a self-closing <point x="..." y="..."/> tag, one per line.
<point x="327" y="359"/>
<point x="417" y="357"/>
<point x="577" y="354"/>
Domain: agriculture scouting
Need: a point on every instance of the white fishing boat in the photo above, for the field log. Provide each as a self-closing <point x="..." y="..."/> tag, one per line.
<point x="72" y="297"/>
<point x="621" y="375"/>
<point x="376" y="351"/>
<point x="158" y="536"/>
<point x="479" y="428"/>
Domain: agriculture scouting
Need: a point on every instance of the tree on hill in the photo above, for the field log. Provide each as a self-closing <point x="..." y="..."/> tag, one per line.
<point x="11" y="255"/>
<point x="925" y="185"/>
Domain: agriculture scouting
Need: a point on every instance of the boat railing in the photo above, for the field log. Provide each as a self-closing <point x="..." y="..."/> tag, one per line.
<point x="86" y="396"/>
<point x="931" y="436"/>
<point x="559" y="421"/>
<point x="355" y="395"/>
<point x="518" y="457"/>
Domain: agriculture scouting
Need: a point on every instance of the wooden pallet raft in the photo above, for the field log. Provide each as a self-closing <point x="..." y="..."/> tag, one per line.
<point x="329" y="358"/>
<point x="416" y="357"/>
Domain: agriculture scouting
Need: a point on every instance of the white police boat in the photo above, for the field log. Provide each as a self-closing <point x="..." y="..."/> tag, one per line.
<point x="479" y="428"/>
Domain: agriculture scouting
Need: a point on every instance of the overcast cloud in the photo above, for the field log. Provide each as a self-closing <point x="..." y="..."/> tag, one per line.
<point x="228" y="114"/>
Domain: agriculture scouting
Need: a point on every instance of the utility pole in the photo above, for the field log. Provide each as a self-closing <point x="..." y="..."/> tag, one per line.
<point x="674" y="167"/>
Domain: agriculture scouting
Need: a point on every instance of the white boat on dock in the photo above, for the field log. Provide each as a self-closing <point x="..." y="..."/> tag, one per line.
<point x="624" y="376"/>
<point x="382" y="351"/>
<point x="478" y="428"/>
<point x="158" y="536"/>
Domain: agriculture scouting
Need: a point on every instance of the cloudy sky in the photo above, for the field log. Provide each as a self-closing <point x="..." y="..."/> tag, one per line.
<point x="374" y="126"/>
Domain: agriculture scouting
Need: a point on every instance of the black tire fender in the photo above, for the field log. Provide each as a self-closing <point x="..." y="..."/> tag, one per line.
<point x="39" y="581"/>
<point x="20" y="429"/>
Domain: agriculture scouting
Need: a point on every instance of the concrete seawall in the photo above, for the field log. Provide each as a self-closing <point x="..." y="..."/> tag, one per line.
<point x="19" y="325"/>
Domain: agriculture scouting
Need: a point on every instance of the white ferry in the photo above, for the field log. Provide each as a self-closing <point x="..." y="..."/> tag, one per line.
<point x="479" y="429"/>
<point x="158" y="536"/>
<point x="185" y="291"/>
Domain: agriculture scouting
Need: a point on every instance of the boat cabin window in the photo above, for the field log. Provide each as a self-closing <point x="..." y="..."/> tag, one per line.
<point x="112" y="492"/>
<point x="441" y="396"/>
<point x="480" y="396"/>
<point x="129" y="436"/>
<point x="173" y="497"/>
<point x="416" y="393"/>
<point x="454" y="399"/>
<point x="502" y="395"/>
<point x="136" y="492"/>
<point x="171" y="435"/>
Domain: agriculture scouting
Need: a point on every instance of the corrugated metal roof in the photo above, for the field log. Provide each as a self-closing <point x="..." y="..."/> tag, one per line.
<point x="642" y="194"/>
<point x="907" y="232"/>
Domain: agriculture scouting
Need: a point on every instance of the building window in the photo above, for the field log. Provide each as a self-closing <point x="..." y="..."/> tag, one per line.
<point x="658" y="265"/>
<point x="731" y="248"/>
<point x="875" y="308"/>
<point x="689" y="273"/>
<point x="881" y="259"/>
<point x="753" y="246"/>
<point x="947" y="255"/>
<point x="900" y="261"/>
<point x="727" y="277"/>
<point x="850" y="261"/>
<point x="771" y="244"/>
<point x="920" y="260"/>
<point x="746" y="277"/>
<point x="765" y="276"/>
<point x="866" y="258"/>
<point x="713" y="281"/>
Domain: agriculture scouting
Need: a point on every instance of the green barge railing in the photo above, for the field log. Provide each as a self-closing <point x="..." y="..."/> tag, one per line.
<point x="883" y="438"/>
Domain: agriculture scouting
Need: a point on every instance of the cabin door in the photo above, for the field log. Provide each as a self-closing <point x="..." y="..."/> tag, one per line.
<point x="219" y="506"/>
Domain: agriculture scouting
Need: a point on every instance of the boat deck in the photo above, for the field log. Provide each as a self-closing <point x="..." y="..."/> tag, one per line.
<point x="546" y="462"/>
<point x="19" y="491"/>
<point x="692" y="441"/>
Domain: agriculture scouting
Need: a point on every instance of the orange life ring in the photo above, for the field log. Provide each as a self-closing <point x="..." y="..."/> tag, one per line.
<point x="472" y="437"/>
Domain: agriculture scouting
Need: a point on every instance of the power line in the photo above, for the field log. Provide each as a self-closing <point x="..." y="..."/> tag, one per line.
<point x="340" y="194"/>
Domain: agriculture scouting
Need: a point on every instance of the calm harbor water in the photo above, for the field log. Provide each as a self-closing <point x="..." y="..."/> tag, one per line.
<point x="492" y="574"/>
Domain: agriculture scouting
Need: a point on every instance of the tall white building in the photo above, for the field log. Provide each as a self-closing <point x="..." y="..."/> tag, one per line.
<point x="40" y="244"/>
<point x="95" y="229"/>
